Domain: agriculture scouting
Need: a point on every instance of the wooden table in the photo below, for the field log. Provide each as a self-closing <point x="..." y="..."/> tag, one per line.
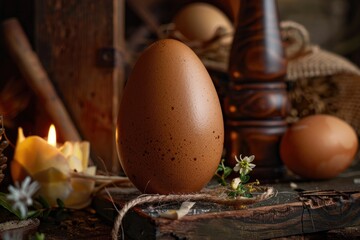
<point x="335" y="216"/>
<point x="331" y="208"/>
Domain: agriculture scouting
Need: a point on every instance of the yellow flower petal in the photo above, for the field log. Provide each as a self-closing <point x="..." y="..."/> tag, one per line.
<point x="85" y="149"/>
<point x="18" y="172"/>
<point x="77" y="154"/>
<point x="91" y="170"/>
<point x="21" y="136"/>
<point x="75" y="163"/>
<point x="235" y="183"/>
<point x="54" y="184"/>
<point x="52" y="167"/>
<point x="80" y="197"/>
<point x="36" y="155"/>
<point x="52" y="191"/>
<point x="50" y="175"/>
<point x="66" y="149"/>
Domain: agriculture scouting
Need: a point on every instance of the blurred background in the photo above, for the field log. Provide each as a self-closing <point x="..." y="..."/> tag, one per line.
<point x="332" y="24"/>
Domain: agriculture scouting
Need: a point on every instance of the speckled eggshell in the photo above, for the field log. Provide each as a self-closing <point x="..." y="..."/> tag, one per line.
<point x="170" y="127"/>
<point x="319" y="146"/>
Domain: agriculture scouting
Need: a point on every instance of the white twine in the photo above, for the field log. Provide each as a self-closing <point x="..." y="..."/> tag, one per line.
<point x="206" y="197"/>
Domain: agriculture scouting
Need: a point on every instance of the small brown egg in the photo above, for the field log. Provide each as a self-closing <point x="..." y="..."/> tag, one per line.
<point x="319" y="146"/>
<point x="170" y="129"/>
<point x="200" y="21"/>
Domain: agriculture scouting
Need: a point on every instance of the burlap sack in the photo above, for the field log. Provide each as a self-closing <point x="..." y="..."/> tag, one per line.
<point x="319" y="81"/>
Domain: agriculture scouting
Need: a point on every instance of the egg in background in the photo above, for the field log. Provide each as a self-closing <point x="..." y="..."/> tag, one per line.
<point x="170" y="130"/>
<point x="319" y="146"/>
<point x="200" y="21"/>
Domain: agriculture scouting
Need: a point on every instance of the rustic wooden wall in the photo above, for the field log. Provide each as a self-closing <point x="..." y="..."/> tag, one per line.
<point x="80" y="44"/>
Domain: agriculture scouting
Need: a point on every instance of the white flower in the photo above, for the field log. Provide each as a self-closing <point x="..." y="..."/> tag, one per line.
<point x="235" y="183"/>
<point x="21" y="196"/>
<point x="244" y="165"/>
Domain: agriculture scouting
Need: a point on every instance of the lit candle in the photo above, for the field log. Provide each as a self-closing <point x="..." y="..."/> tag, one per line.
<point x="52" y="136"/>
<point x="53" y="166"/>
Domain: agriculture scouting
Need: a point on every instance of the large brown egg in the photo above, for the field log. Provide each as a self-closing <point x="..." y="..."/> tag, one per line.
<point x="319" y="146"/>
<point x="170" y="126"/>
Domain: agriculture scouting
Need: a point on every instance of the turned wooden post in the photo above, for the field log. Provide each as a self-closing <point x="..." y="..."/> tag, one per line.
<point x="256" y="103"/>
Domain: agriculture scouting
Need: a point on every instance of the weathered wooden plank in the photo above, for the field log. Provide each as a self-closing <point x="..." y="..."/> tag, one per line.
<point x="264" y="222"/>
<point x="288" y="213"/>
<point x="80" y="45"/>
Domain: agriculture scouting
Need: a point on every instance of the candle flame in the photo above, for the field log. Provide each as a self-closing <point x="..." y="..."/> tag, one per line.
<point x="52" y="136"/>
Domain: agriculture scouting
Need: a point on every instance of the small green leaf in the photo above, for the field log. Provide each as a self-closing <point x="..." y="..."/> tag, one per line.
<point x="219" y="169"/>
<point x="232" y="194"/>
<point x="46" y="213"/>
<point x="222" y="181"/>
<point x="4" y="202"/>
<point x="244" y="178"/>
<point x="39" y="236"/>
<point x="227" y="172"/>
<point x="248" y="195"/>
<point x="60" y="203"/>
<point x="43" y="202"/>
<point x="35" y="213"/>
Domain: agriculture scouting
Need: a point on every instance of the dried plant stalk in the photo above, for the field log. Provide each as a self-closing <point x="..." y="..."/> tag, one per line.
<point x="3" y="145"/>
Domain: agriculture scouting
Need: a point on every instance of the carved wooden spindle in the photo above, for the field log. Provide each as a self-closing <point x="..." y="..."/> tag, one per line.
<point x="256" y="103"/>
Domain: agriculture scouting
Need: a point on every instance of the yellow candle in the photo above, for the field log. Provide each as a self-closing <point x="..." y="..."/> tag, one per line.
<point x="52" y="166"/>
